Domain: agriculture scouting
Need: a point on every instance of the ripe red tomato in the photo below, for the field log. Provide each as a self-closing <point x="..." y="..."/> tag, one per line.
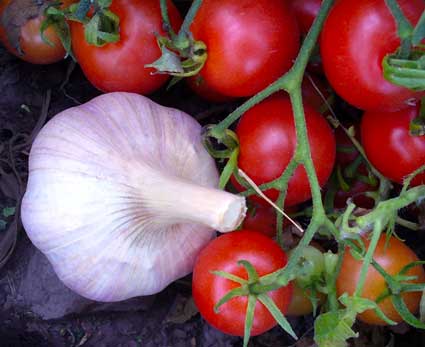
<point x="267" y="143"/>
<point x="390" y="147"/>
<point x="355" y="38"/>
<point x="263" y="219"/>
<point x="392" y="257"/>
<point x="223" y="253"/>
<point x="198" y="85"/>
<point x="250" y="43"/>
<point x="120" y="66"/>
<point x="305" y="12"/>
<point x="34" y="49"/>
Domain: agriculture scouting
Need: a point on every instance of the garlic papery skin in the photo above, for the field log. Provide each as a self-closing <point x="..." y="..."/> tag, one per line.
<point x="122" y="196"/>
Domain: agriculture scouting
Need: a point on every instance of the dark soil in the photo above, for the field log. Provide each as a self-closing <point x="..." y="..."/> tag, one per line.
<point x="30" y="295"/>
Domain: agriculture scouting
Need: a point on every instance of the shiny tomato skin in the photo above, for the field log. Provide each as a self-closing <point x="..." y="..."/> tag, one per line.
<point x="305" y="12"/>
<point x="120" y="66"/>
<point x="355" y="38"/>
<point x="250" y="43"/>
<point x="392" y="258"/>
<point x="389" y="146"/>
<point x="267" y="143"/>
<point x="34" y="49"/>
<point x="223" y="253"/>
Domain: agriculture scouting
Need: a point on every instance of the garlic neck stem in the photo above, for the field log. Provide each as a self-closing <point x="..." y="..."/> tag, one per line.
<point x="175" y="200"/>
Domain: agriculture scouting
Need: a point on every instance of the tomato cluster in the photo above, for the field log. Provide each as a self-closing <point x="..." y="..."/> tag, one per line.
<point x="249" y="45"/>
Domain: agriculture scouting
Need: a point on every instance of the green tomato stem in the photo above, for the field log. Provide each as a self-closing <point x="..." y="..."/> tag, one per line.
<point x="404" y="28"/>
<point x="377" y="229"/>
<point x="188" y="19"/>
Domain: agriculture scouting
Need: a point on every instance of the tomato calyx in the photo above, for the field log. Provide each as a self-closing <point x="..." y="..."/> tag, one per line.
<point x="396" y="285"/>
<point x="406" y="66"/>
<point x="181" y="55"/>
<point x="255" y="291"/>
<point x="101" y="25"/>
<point x="214" y="143"/>
<point x="16" y="15"/>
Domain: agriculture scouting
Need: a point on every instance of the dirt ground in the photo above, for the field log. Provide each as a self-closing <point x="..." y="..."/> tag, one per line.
<point x="36" y="309"/>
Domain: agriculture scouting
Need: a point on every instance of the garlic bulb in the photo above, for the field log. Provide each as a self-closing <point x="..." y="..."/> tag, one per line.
<point x="122" y="196"/>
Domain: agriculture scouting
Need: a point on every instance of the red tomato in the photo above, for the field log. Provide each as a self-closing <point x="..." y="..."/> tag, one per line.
<point x="200" y="87"/>
<point x="263" y="219"/>
<point x="267" y="143"/>
<point x="305" y="12"/>
<point x="120" y="66"/>
<point x="355" y="38"/>
<point x="223" y="253"/>
<point x="389" y="146"/>
<point x="34" y="49"/>
<point x="250" y="43"/>
<point x="392" y="258"/>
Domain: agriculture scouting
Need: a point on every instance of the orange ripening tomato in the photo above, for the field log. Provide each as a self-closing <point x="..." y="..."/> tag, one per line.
<point x="32" y="47"/>
<point x="392" y="257"/>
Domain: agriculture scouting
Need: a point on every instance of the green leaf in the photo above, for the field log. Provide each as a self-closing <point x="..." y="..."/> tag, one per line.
<point x="333" y="329"/>
<point x="277" y="314"/>
<point x="357" y="304"/>
<point x="8" y="211"/>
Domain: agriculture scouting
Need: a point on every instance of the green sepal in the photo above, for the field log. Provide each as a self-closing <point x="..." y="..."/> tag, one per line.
<point x="404" y="312"/>
<point x="277" y="314"/>
<point x="250" y="269"/>
<point x="102" y="28"/>
<point x="409" y="73"/>
<point x="249" y="319"/>
<point x="240" y="291"/>
<point x="229" y="276"/>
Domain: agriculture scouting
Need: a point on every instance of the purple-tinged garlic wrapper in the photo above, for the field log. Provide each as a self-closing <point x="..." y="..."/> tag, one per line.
<point x="122" y="196"/>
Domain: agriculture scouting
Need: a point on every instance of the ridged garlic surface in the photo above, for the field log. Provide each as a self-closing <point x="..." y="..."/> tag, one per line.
<point x="122" y="196"/>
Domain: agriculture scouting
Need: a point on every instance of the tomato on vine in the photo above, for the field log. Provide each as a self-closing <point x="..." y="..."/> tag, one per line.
<point x="25" y="40"/>
<point x="390" y="147"/>
<point x="392" y="256"/>
<point x="120" y="66"/>
<point x="355" y="38"/>
<point x="267" y="141"/>
<point x="223" y="254"/>
<point x="250" y="43"/>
